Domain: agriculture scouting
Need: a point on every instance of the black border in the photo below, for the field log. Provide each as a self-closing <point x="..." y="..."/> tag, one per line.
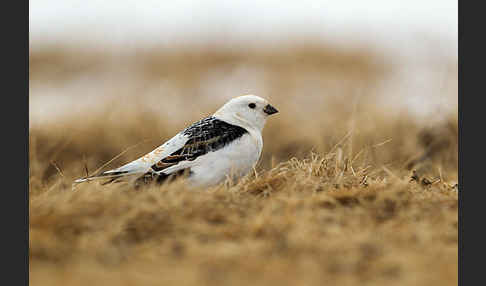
<point x="460" y="90"/>
<point x="15" y="119"/>
<point x="15" y="130"/>
<point x="470" y="87"/>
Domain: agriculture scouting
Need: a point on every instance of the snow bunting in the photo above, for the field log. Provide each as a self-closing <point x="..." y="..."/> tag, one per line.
<point x="227" y="143"/>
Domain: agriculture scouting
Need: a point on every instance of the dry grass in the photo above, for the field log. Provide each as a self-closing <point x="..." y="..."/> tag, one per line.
<point x="333" y="201"/>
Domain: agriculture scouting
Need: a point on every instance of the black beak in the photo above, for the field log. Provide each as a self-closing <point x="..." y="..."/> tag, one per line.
<point x="269" y="109"/>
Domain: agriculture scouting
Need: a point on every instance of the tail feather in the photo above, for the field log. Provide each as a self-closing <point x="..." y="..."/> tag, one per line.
<point x="114" y="176"/>
<point x="106" y="175"/>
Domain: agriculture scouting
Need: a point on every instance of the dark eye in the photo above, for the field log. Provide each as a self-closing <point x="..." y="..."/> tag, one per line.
<point x="251" y="105"/>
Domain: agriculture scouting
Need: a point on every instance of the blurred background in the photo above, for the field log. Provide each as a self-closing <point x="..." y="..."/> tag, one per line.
<point x="371" y="87"/>
<point x="121" y="65"/>
<point x="83" y="53"/>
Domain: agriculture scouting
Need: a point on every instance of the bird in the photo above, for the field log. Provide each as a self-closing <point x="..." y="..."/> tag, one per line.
<point x="226" y="143"/>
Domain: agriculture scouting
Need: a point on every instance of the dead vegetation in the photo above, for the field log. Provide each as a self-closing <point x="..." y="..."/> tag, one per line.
<point x="345" y="194"/>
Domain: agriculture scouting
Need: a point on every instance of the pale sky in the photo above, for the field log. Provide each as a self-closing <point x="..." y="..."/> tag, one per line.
<point x="132" y="23"/>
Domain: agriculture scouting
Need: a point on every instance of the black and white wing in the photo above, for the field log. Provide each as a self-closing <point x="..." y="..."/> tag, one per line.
<point x="207" y="135"/>
<point x="176" y="155"/>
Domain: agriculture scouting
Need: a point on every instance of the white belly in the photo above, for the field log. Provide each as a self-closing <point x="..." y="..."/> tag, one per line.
<point x="235" y="159"/>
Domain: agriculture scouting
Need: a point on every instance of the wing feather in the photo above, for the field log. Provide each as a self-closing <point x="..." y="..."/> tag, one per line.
<point x="142" y="165"/>
<point x="207" y="135"/>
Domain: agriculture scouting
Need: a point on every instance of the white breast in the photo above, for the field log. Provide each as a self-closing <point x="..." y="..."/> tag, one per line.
<point x="235" y="159"/>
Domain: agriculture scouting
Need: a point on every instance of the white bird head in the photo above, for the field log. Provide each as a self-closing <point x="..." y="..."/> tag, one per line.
<point x="248" y="111"/>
